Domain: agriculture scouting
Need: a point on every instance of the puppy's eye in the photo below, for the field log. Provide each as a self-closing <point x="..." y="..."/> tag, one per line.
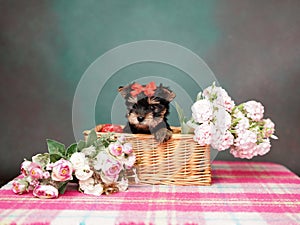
<point x="134" y="106"/>
<point x="152" y="107"/>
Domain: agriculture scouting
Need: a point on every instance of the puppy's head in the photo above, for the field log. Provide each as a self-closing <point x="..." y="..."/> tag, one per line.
<point x="147" y="105"/>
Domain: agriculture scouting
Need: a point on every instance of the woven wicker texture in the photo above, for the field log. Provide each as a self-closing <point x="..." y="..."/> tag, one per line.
<point x="179" y="161"/>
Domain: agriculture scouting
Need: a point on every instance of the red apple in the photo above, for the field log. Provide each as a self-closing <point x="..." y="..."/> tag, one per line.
<point x="111" y="128"/>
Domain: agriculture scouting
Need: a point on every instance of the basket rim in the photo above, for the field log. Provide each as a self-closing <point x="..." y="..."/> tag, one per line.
<point x="145" y="136"/>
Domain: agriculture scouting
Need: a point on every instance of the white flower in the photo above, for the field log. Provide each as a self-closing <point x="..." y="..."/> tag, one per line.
<point x="135" y="175"/>
<point x="83" y="173"/>
<point x="84" y="184"/>
<point x="96" y="190"/>
<point x="108" y="180"/>
<point x="116" y="149"/>
<point x="129" y="161"/>
<point x="264" y="147"/>
<point x="101" y="158"/>
<point x="223" y="99"/>
<point x="90" y="187"/>
<point x="202" y="111"/>
<point x="222" y="120"/>
<point x="203" y="134"/>
<point x="255" y="110"/>
<point x="245" y="145"/>
<point x="269" y="128"/>
<point x="219" y="97"/>
<point x="222" y="141"/>
<point x="228" y="104"/>
<point x="111" y="169"/>
<point x="242" y="125"/>
<point x="77" y="160"/>
<point x="122" y="139"/>
<point x="216" y="121"/>
<point x="127" y="148"/>
<point x="246" y="139"/>
<point x="238" y="114"/>
<point x="208" y="92"/>
<point x="89" y="150"/>
<point x="122" y="184"/>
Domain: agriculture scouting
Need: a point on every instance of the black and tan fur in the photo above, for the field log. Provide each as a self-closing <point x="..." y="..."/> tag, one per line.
<point x="148" y="114"/>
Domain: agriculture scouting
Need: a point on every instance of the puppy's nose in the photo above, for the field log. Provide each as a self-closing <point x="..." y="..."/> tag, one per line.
<point x="140" y="118"/>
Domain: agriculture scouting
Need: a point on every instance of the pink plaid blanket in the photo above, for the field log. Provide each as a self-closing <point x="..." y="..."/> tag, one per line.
<point x="241" y="193"/>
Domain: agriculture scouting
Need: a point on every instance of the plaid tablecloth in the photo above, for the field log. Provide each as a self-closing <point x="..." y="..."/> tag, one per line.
<point x="241" y="193"/>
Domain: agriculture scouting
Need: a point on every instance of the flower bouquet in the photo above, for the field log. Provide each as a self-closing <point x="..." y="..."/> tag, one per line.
<point x="103" y="162"/>
<point x="218" y="122"/>
<point x="98" y="165"/>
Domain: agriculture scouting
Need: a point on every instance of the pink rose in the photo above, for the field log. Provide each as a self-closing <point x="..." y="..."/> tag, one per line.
<point x="115" y="149"/>
<point x="122" y="139"/>
<point x="46" y="175"/>
<point x="111" y="169"/>
<point x="62" y="170"/>
<point x="34" y="182"/>
<point x="45" y="191"/>
<point x="36" y="173"/>
<point x="27" y="166"/>
<point x="20" y="186"/>
<point x="24" y="167"/>
<point x="127" y="148"/>
<point x="129" y="161"/>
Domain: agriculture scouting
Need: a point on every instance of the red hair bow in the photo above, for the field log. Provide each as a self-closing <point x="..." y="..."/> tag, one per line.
<point x="148" y="90"/>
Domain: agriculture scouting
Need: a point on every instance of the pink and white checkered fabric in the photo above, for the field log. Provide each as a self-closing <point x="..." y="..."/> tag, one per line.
<point x="241" y="193"/>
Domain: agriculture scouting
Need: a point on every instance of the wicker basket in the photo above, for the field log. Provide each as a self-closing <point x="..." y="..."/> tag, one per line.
<point x="179" y="161"/>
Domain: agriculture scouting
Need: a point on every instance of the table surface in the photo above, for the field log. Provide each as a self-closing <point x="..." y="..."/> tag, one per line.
<point x="241" y="193"/>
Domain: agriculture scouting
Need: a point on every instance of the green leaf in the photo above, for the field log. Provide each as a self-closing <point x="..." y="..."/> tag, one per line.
<point x="55" y="147"/>
<point x="55" y="157"/>
<point x="71" y="149"/>
<point x="99" y="143"/>
<point x="180" y="113"/>
<point x="62" y="188"/>
<point x="186" y="129"/>
<point x="105" y="140"/>
<point x="92" y="137"/>
<point x="81" y="145"/>
<point x="41" y="159"/>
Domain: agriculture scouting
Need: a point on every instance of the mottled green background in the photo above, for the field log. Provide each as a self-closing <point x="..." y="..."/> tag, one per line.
<point x="253" y="47"/>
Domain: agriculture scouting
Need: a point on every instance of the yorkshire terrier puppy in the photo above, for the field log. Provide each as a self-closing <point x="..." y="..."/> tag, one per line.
<point x="147" y="109"/>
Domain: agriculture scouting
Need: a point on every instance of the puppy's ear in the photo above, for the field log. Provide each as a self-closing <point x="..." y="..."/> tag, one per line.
<point x="124" y="90"/>
<point x="165" y="93"/>
<point x="170" y="95"/>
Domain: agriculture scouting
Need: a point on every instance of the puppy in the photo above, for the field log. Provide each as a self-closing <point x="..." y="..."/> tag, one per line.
<point x="147" y="109"/>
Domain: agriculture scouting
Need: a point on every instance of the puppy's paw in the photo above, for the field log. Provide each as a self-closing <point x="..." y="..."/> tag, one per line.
<point x="163" y="135"/>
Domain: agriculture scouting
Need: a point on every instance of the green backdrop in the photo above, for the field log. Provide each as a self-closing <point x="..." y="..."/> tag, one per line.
<point x="46" y="46"/>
